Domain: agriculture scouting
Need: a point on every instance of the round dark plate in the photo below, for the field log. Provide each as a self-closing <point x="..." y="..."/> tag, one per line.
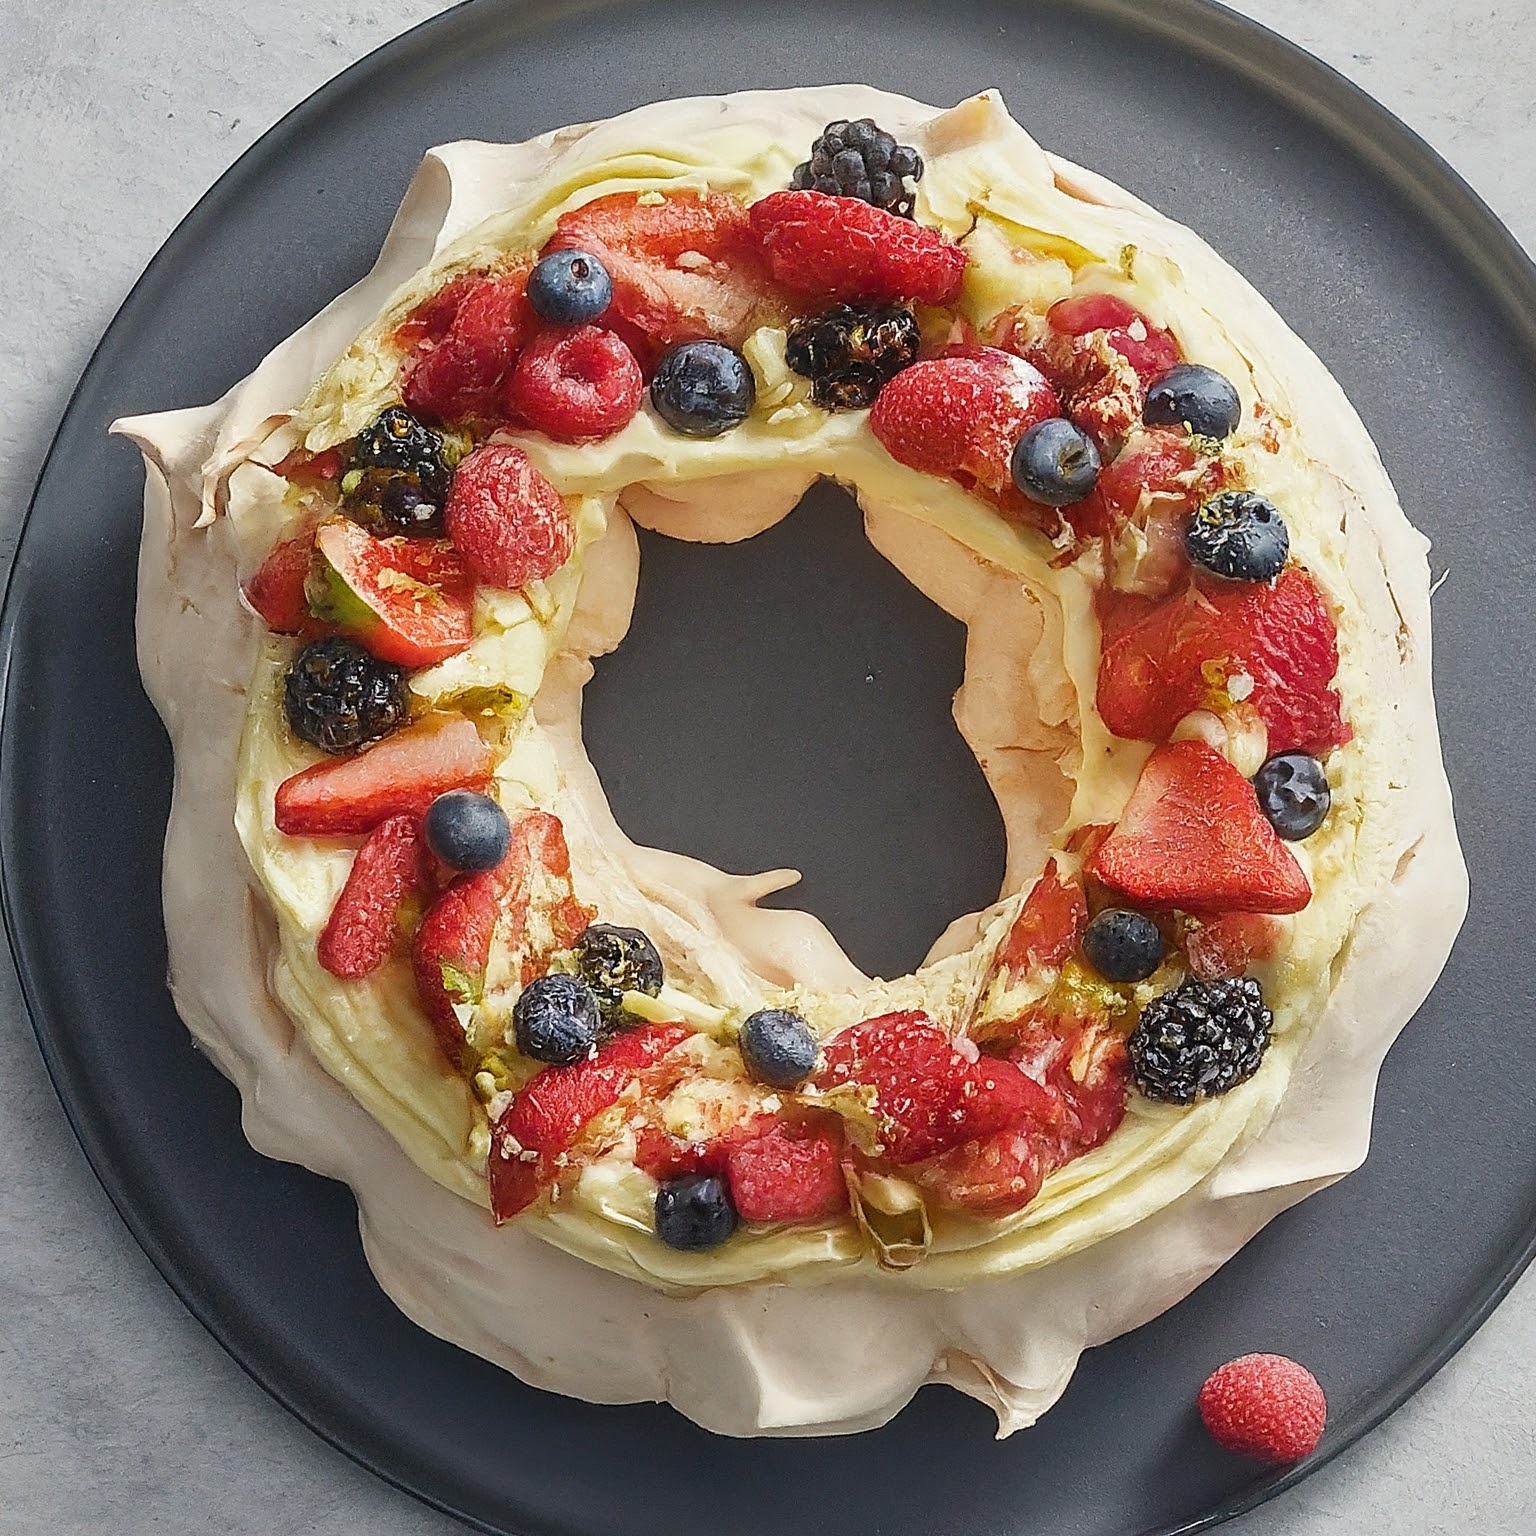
<point x="786" y="700"/>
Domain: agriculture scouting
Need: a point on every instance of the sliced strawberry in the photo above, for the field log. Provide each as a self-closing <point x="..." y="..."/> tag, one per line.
<point x="1159" y="663"/>
<point x="928" y="1095"/>
<point x="1192" y="836"/>
<point x="1228" y="945"/>
<point x="402" y="775"/>
<point x="1148" y="348"/>
<point x="1156" y="464"/>
<point x="406" y="600"/>
<point x="792" y="1172"/>
<point x="840" y="249"/>
<point x="433" y="317"/>
<point x="457" y="378"/>
<point x="364" y="924"/>
<point x="664" y="1156"/>
<point x="1049" y="924"/>
<point x="506" y="519"/>
<point x="685" y="267"/>
<point x="545" y="1118"/>
<point x="576" y="386"/>
<point x="276" y="591"/>
<point x="960" y="416"/>
<point x="527" y="898"/>
<point x="993" y="1175"/>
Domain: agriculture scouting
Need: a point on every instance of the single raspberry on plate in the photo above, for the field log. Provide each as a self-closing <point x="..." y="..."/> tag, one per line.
<point x="506" y="519"/>
<point x="1264" y="1406"/>
<point x="576" y="386"/>
<point x="960" y="416"/>
<point x="839" y="249"/>
<point x="363" y="925"/>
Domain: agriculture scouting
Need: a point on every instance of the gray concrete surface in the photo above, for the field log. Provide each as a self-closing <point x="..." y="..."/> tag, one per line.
<point x="117" y="1412"/>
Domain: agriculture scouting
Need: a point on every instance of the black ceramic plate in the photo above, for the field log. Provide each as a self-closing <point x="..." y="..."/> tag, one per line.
<point x="817" y="733"/>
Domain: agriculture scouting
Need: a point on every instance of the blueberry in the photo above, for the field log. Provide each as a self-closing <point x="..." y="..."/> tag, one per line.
<point x="468" y="830"/>
<point x="1294" y="794"/>
<point x="614" y="961"/>
<point x="1123" y="945"/>
<point x="1239" y="534"/>
<point x="1194" y="396"/>
<point x="694" y="1212"/>
<point x="570" y="288"/>
<point x="703" y="388"/>
<point x="778" y="1047"/>
<point x="1055" y="463"/>
<point x="556" y="1019"/>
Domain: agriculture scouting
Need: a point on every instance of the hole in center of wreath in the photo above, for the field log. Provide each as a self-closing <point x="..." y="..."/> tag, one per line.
<point x="786" y="702"/>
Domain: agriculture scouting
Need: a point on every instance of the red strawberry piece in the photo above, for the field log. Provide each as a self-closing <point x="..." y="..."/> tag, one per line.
<point x="1192" y="836"/>
<point x="929" y="1096"/>
<point x="575" y="386"/>
<point x="1160" y="464"/>
<point x="363" y="925"/>
<point x="1149" y="349"/>
<point x="1048" y="927"/>
<point x="276" y="591"/>
<point x="837" y="248"/>
<point x="546" y="1117"/>
<point x="664" y="1156"/>
<point x="1228" y="945"/>
<point x="527" y="897"/>
<point x="506" y="519"/>
<point x="406" y="600"/>
<point x="457" y="378"/>
<point x="792" y="1172"/>
<point x="303" y="465"/>
<point x="400" y="776"/>
<point x="1159" y="664"/>
<point x="992" y="1176"/>
<point x="961" y="415"/>
<point x="684" y="267"/>
<point x="432" y="319"/>
<point x="1264" y="1406"/>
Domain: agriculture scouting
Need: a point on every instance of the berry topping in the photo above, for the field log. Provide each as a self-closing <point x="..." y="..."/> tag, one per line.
<point x="387" y="501"/>
<point x="1294" y="794"/>
<point x="1055" y="463"/>
<point x="276" y="591"/>
<point x="960" y="416"/>
<point x="703" y="388"/>
<point x="506" y="519"/>
<point x="1239" y="534"/>
<point x="1199" y="1040"/>
<point x="790" y="1173"/>
<point x="1193" y="396"/>
<point x="570" y="288"/>
<point x="556" y="1019"/>
<point x="694" y="1212"/>
<point x="458" y="376"/>
<point x="337" y="697"/>
<point x="1122" y="945"/>
<point x="1192" y="837"/>
<point x="929" y="1096"/>
<point x="468" y="830"/>
<point x="396" y="440"/>
<point x="364" y="924"/>
<point x="615" y="960"/>
<point x="1229" y="944"/>
<point x="834" y="248"/>
<point x="401" y="776"/>
<point x="1149" y="349"/>
<point x="407" y="600"/>
<point x="778" y="1047"/>
<point x="1274" y="646"/>
<point x="1048" y="926"/>
<point x="851" y="352"/>
<point x="859" y="160"/>
<point x="545" y="1118"/>
<point x="576" y="386"/>
<point x="1157" y="479"/>
<point x="1264" y="1406"/>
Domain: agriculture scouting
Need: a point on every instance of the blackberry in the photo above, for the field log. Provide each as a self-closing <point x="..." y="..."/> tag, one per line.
<point x="850" y="352"/>
<point x="1200" y="1039"/>
<point x="613" y="961"/>
<point x="1239" y="534"/>
<point x="339" y="698"/>
<point x="859" y="160"/>
<point x="399" y="477"/>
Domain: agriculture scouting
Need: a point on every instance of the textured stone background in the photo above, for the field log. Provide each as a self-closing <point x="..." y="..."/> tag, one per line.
<point x="117" y="1412"/>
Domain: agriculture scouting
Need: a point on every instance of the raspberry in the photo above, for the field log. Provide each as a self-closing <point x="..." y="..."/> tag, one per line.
<point x="960" y="416"/>
<point x="362" y="926"/>
<point x="506" y="519"/>
<point x="457" y="378"/>
<point x="1264" y="1406"/>
<point x="790" y="1173"/>
<point x="837" y="248"/>
<point x="576" y="386"/>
